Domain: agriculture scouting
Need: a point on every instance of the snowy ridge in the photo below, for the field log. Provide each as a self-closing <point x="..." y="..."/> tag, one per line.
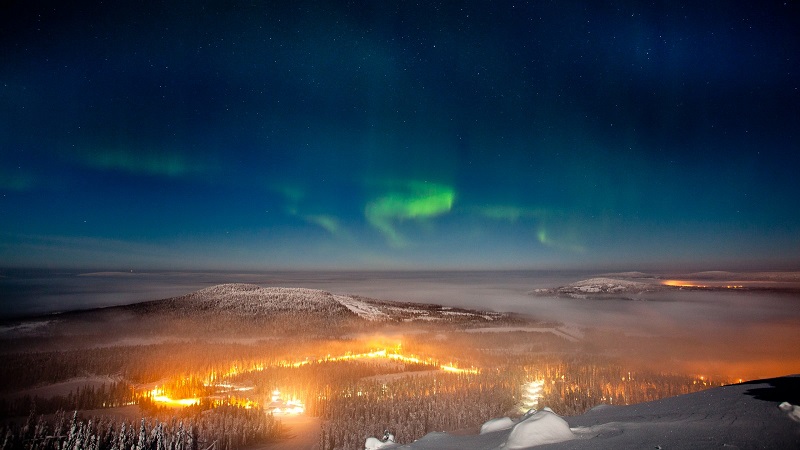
<point x="250" y="299"/>
<point x="241" y="299"/>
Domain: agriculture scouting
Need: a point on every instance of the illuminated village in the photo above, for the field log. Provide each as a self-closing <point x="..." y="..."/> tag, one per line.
<point x="224" y="393"/>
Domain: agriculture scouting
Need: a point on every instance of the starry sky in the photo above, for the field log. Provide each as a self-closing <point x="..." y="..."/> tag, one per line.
<point x="399" y="135"/>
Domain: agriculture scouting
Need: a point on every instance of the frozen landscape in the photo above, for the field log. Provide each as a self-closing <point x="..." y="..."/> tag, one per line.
<point x="654" y="363"/>
<point x="338" y="225"/>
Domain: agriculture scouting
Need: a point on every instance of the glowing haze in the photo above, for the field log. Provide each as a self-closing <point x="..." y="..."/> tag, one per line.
<point x="399" y="135"/>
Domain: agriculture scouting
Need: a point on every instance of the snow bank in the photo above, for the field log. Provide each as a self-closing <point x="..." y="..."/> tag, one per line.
<point x="542" y="427"/>
<point x="502" y="423"/>
<point x="793" y="411"/>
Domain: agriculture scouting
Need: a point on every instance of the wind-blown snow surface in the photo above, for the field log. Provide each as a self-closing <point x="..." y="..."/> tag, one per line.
<point x="740" y="416"/>
<point x="362" y="309"/>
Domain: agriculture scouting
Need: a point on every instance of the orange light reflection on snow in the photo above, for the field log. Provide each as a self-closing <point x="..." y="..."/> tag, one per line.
<point x="385" y="354"/>
<point x="158" y="395"/>
<point x="295" y="406"/>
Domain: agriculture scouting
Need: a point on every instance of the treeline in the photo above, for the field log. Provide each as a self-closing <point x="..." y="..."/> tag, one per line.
<point x="413" y="406"/>
<point x="86" y="397"/>
<point x="223" y="428"/>
<point x="136" y="364"/>
<point x="572" y="388"/>
<point x="319" y="379"/>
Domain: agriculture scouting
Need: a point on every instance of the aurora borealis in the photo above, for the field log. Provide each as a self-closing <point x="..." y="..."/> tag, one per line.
<point x="311" y="134"/>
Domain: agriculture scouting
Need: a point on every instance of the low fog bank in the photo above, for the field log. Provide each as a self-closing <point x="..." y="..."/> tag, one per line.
<point x="748" y="334"/>
<point x="42" y="292"/>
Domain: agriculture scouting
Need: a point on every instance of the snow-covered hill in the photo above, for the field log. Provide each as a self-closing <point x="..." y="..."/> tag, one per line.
<point x="598" y="287"/>
<point x="253" y="300"/>
<point x="249" y="300"/>
<point x="742" y="416"/>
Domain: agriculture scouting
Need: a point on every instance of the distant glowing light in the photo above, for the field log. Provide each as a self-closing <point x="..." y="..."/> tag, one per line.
<point x="680" y="283"/>
<point x="288" y="406"/>
<point x="160" y="396"/>
<point x="454" y="369"/>
<point x="531" y="394"/>
<point x="285" y="407"/>
<point x="385" y="354"/>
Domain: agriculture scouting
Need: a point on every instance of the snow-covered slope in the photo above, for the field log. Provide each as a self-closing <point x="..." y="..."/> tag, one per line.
<point x="361" y="308"/>
<point x="741" y="416"/>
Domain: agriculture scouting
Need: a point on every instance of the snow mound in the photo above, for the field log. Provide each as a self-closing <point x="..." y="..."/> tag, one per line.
<point x="502" y="423"/>
<point x="793" y="411"/>
<point x="374" y="443"/>
<point x="542" y="427"/>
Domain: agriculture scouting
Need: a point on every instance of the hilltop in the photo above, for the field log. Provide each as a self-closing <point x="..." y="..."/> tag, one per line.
<point x="253" y="301"/>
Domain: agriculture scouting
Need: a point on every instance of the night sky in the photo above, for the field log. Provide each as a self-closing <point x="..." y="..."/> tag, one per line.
<point x="396" y="135"/>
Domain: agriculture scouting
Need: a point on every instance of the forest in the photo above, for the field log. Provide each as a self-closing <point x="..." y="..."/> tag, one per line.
<point x="354" y="398"/>
<point x="163" y="376"/>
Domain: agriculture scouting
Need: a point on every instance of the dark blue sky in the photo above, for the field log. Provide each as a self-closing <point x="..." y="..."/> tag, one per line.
<point x="381" y="135"/>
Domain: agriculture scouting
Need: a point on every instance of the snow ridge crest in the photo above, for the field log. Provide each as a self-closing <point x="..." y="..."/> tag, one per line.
<point x="245" y="298"/>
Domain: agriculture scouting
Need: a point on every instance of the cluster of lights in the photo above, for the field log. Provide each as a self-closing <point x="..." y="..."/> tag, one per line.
<point x="679" y="283"/>
<point x="294" y="406"/>
<point x="688" y="284"/>
<point x="282" y="407"/>
<point x="384" y="354"/>
<point x="531" y="394"/>
<point x="160" y="396"/>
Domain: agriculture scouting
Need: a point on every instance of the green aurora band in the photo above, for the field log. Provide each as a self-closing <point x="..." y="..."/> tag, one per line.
<point x="410" y="200"/>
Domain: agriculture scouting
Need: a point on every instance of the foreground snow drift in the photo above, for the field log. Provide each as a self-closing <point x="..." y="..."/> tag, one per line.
<point x="748" y="415"/>
<point x="542" y="427"/>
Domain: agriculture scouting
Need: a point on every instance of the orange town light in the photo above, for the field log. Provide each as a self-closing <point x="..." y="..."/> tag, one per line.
<point x="158" y="395"/>
<point x="681" y="283"/>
